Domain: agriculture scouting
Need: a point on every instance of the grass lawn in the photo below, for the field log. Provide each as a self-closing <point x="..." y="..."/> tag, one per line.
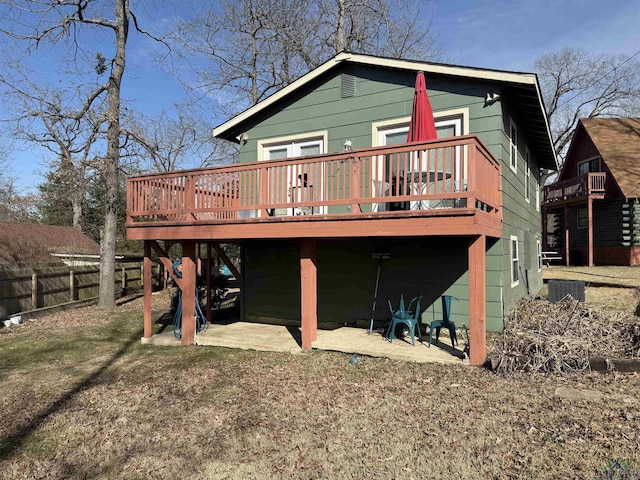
<point x="81" y="397"/>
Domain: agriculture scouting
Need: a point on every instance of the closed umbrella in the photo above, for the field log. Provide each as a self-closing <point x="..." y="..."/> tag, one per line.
<point x="422" y="126"/>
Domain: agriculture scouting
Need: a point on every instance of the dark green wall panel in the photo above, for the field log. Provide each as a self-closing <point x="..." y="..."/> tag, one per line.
<point x="346" y="278"/>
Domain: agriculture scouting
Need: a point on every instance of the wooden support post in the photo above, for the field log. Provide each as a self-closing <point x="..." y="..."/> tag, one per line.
<point x="566" y="236"/>
<point x="188" y="292"/>
<point x="477" y="300"/>
<point x="72" y="286"/>
<point x="209" y="316"/>
<point x="199" y="259"/>
<point x="124" y="277"/>
<point x="34" y="291"/>
<point x="146" y="285"/>
<point x="309" y="292"/>
<point x="590" y="241"/>
<point x="545" y="227"/>
<point x="264" y="190"/>
<point x="190" y="193"/>
<point x="355" y="186"/>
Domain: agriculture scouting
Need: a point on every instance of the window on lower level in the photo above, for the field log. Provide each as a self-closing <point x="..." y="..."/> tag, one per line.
<point x="583" y="218"/>
<point x="515" y="262"/>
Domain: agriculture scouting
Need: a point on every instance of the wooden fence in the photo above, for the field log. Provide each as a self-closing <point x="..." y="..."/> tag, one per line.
<point x="27" y="289"/>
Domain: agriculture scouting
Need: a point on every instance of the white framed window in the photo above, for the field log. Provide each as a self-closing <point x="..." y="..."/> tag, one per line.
<point x="513" y="146"/>
<point x="312" y="143"/>
<point x="583" y="218"/>
<point x="294" y="149"/>
<point x="515" y="261"/>
<point x="537" y="195"/>
<point x="527" y="175"/>
<point x="396" y="133"/>
<point x="449" y="123"/>
<point x="539" y="254"/>
<point x="393" y="136"/>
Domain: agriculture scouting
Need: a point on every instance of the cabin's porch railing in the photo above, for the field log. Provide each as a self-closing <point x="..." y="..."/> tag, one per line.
<point x="582" y="186"/>
<point x="454" y="173"/>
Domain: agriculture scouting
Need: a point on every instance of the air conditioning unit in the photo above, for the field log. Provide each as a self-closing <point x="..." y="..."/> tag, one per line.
<point x="559" y="289"/>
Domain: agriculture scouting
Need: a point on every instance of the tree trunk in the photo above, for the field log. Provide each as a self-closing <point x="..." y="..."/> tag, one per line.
<point x="108" y="240"/>
<point x="340" y="36"/>
<point x="76" y="205"/>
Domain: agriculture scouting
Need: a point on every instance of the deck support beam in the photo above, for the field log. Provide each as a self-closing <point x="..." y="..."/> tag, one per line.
<point x="227" y="261"/>
<point x="309" y="292"/>
<point x="146" y="285"/>
<point x="188" y="292"/>
<point x="209" y="315"/>
<point x="566" y="236"/>
<point x="590" y="221"/>
<point x="477" y="300"/>
<point x="166" y="261"/>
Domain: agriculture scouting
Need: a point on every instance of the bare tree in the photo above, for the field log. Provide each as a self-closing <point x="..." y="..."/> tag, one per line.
<point x="576" y="84"/>
<point x="256" y="47"/>
<point x="59" y="122"/>
<point x="65" y="24"/>
<point x="177" y="139"/>
<point x="378" y="27"/>
<point x="14" y="205"/>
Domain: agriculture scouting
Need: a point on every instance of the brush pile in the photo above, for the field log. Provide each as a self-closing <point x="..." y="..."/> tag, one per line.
<point x="542" y="337"/>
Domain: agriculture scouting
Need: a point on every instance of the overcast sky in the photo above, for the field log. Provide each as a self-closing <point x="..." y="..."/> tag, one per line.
<point x="499" y="34"/>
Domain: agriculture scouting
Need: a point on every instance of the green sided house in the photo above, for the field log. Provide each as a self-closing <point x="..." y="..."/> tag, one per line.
<point x="592" y="212"/>
<point x="327" y="190"/>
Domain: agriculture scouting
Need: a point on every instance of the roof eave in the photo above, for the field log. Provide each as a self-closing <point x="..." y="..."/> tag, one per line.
<point x="228" y="128"/>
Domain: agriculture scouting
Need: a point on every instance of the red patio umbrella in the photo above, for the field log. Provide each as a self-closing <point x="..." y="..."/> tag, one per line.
<point x="422" y="126"/>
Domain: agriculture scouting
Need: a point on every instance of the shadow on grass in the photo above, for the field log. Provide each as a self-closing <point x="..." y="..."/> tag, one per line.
<point x="16" y="439"/>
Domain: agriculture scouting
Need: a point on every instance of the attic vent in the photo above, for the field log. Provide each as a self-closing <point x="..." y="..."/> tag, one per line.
<point x="348" y="88"/>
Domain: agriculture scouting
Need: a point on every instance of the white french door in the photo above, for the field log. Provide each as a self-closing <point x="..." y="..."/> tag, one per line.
<point x="301" y="182"/>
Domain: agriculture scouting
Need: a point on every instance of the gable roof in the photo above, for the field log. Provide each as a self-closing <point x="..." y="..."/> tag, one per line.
<point x="26" y="242"/>
<point x="618" y="142"/>
<point x="523" y="88"/>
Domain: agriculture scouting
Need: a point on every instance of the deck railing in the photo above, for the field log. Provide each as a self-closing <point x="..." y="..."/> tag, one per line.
<point x="455" y="173"/>
<point x="582" y="186"/>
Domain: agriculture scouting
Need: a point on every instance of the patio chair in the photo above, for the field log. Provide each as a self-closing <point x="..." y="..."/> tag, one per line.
<point x="404" y="317"/>
<point x="445" y="322"/>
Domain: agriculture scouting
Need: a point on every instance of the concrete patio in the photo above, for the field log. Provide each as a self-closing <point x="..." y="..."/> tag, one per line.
<point x="353" y="340"/>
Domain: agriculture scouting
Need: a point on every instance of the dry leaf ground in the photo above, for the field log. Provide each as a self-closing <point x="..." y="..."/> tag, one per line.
<point x="82" y="398"/>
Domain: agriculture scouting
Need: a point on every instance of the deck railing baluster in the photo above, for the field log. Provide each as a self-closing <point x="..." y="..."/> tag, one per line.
<point x="365" y="180"/>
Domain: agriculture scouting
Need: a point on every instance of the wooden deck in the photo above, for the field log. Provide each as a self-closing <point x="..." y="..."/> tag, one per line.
<point x="443" y="187"/>
<point x="448" y="187"/>
<point x="579" y="190"/>
<point x="575" y="190"/>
